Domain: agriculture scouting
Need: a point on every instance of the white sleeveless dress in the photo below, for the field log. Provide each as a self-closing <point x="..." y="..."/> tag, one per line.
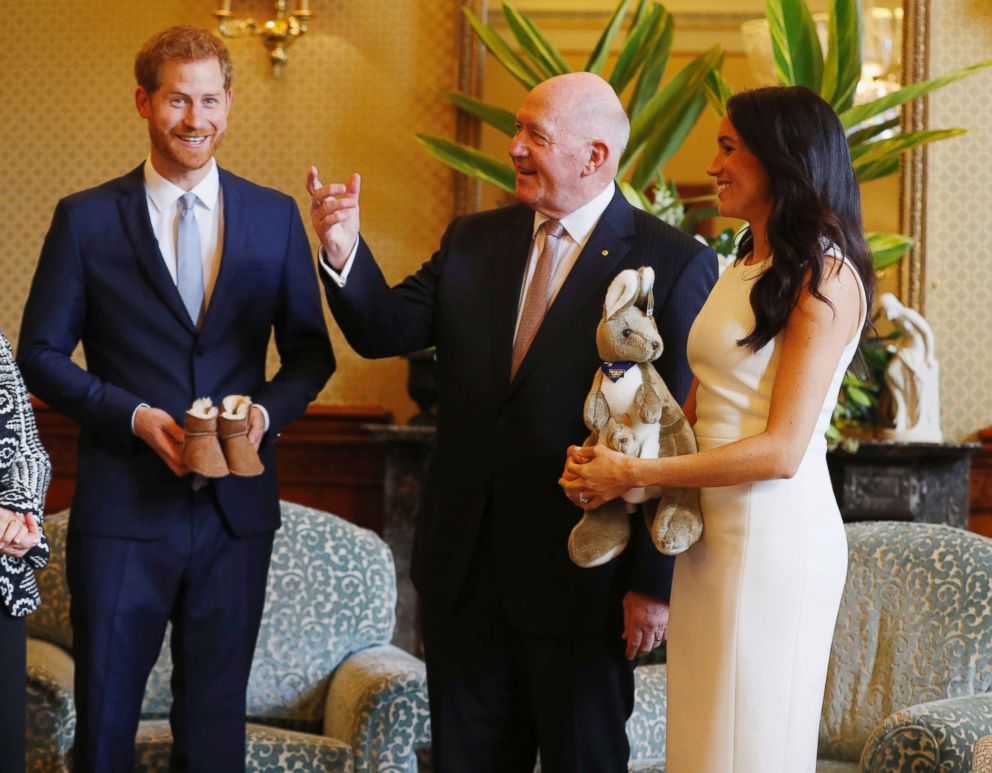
<point x="755" y="601"/>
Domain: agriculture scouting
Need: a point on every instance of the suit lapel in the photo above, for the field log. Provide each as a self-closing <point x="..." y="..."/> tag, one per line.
<point x="607" y="246"/>
<point x="508" y="263"/>
<point x="232" y="199"/>
<point x="133" y="205"/>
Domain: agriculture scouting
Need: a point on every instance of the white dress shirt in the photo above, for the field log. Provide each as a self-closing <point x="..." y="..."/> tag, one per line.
<point x="164" y="209"/>
<point x="578" y="227"/>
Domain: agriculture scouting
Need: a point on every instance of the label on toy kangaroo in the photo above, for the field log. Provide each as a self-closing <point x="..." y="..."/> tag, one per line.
<point x="615" y="371"/>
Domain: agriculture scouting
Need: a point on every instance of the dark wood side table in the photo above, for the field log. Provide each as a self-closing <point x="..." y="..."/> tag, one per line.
<point x="981" y="485"/>
<point x="407" y="454"/>
<point x="926" y="482"/>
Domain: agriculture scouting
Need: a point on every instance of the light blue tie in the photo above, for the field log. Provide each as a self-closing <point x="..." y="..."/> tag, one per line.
<point x="189" y="273"/>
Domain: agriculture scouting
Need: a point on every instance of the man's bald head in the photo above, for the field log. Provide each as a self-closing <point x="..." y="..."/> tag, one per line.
<point x="591" y="109"/>
<point x="571" y="132"/>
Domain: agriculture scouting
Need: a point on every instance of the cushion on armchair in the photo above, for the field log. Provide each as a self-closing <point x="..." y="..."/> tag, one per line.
<point x="329" y="608"/>
<point x="915" y="625"/>
<point x="331" y="592"/>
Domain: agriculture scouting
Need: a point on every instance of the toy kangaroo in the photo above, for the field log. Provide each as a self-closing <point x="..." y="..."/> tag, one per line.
<point x="630" y="410"/>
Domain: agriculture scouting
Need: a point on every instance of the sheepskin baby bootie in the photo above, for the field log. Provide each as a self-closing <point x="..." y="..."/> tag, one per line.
<point x="242" y="458"/>
<point x="201" y="448"/>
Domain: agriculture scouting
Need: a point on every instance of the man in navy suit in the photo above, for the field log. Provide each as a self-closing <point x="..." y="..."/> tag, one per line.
<point x="524" y="650"/>
<point x="149" y="543"/>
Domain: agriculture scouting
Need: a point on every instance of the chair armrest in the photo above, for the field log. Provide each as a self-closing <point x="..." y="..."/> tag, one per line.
<point x="647" y="724"/>
<point x="938" y="736"/>
<point x="377" y="704"/>
<point x="51" y="715"/>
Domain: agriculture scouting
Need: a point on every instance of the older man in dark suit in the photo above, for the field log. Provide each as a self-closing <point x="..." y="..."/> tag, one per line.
<point x="173" y="277"/>
<point x="524" y="650"/>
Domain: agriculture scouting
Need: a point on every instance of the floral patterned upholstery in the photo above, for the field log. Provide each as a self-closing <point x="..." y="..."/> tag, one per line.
<point x="647" y="724"/>
<point x="909" y="687"/>
<point x="323" y="673"/>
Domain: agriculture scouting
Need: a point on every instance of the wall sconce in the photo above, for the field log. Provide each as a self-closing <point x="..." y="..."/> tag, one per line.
<point x="277" y="34"/>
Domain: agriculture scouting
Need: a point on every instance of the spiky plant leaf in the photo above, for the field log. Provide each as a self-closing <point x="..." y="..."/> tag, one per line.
<point x="842" y="69"/>
<point x="602" y="48"/>
<point x="537" y="47"/>
<point x="795" y="46"/>
<point x="470" y="161"/>
<point x="500" y="49"/>
<point x="497" y="117"/>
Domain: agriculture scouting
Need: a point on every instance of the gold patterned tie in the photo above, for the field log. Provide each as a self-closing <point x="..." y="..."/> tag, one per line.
<point x="538" y="294"/>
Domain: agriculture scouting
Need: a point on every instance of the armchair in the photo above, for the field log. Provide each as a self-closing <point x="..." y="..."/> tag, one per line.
<point x="909" y="686"/>
<point x="327" y="691"/>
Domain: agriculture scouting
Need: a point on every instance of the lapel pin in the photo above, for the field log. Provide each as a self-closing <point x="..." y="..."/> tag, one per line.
<point x="604" y="253"/>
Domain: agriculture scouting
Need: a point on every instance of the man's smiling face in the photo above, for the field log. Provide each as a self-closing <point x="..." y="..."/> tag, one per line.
<point x="548" y="158"/>
<point x="187" y="116"/>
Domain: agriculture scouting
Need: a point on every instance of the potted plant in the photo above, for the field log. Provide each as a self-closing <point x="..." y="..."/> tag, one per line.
<point x="660" y="117"/>
<point x="876" y="141"/>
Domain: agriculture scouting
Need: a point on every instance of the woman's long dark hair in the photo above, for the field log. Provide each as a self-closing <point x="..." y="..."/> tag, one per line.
<point x="816" y="202"/>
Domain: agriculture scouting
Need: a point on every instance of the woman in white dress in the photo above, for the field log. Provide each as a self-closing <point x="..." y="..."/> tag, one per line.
<point x="755" y="600"/>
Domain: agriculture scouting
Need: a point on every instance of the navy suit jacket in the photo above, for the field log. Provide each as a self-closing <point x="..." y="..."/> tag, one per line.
<point x="101" y="280"/>
<point x="500" y="444"/>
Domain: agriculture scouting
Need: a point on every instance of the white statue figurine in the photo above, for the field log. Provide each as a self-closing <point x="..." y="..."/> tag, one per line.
<point x="912" y="376"/>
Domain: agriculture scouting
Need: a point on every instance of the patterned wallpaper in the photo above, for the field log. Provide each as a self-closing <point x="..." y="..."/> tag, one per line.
<point x="356" y="89"/>
<point x="959" y="229"/>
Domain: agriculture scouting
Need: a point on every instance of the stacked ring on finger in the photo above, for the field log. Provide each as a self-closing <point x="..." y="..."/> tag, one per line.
<point x="583" y="499"/>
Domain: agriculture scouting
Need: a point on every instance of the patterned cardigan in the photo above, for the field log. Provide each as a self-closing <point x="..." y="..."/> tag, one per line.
<point x="24" y="476"/>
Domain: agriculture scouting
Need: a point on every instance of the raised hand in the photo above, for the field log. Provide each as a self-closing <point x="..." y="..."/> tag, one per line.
<point x="334" y="213"/>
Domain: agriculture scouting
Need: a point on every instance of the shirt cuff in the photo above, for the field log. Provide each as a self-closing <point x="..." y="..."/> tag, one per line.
<point x="265" y="415"/>
<point x="135" y="413"/>
<point x="339" y="277"/>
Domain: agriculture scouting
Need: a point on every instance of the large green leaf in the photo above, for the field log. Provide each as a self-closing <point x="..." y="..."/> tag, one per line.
<point x="842" y="70"/>
<point x="639" y="43"/>
<point x="638" y="12"/>
<point x="497" y="117"/>
<point x="602" y="49"/>
<point x="859" y="113"/>
<point x="796" y="48"/>
<point x="877" y="169"/>
<point x="881" y="158"/>
<point x="857" y="139"/>
<point x="654" y="66"/>
<point x="470" y="161"/>
<point x="873" y="151"/>
<point x="659" y="126"/>
<point x="537" y="47"/>
<point x="887" y="249"/>
<point x="663" y="143"/>
<point x="633" y="196"/>
<point x="662" y="109"/>
<point x="499" y="48"/>
<point x="718" y="91"/>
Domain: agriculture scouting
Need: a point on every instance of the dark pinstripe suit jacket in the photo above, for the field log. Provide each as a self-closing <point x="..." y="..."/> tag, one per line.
<point x="501" y="444"/>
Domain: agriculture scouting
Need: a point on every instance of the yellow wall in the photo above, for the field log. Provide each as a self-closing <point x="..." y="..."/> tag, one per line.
<point x="959" y="227"/>
<point x="357" y="87"/>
